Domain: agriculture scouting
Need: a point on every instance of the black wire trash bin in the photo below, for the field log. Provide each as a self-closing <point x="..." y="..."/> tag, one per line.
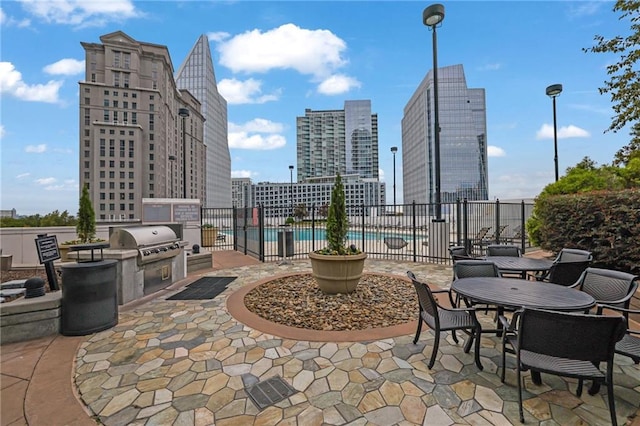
<point x="89" y="294"/>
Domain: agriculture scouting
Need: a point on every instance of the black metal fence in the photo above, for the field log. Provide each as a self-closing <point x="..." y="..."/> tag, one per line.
<point x="402" y="232"/>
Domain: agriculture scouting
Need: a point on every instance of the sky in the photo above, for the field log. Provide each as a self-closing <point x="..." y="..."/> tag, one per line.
<point x="275" y="59"/>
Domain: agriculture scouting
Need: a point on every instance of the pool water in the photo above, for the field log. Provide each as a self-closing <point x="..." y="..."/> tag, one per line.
<point x="306" y="234"/>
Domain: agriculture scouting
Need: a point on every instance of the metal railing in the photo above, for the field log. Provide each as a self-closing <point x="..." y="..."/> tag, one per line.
<point x="263" y="232"/>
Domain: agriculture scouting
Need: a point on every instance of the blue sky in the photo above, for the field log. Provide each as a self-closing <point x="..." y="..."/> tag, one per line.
<point x="274" y="59"/>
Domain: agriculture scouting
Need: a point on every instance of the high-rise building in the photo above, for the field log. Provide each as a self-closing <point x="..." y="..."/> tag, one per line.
<point x="338" y="141"/>
<point x="139" y="136"/>
<point x="463" y="140"/>
<point x="197" y="75"/>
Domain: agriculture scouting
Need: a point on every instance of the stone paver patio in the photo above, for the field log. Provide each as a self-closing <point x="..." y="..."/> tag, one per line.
<point x="191" y="363"/>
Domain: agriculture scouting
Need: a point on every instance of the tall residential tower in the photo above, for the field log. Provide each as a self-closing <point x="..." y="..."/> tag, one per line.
<point x="463" y="140"/>
<point x="196" y="74"/>
<point x="344" y="141"/>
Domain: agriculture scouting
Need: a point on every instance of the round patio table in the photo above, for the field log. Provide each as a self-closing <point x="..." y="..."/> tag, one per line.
<point x="516" y="293"/>
<point x="522" y="265"/>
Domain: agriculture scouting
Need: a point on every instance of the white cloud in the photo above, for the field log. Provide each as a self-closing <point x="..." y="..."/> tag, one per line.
<point x="23" y="175"/>
<point x="81" y="13"/>
<point x="490" y="67"/>
<point x="495" y="151"/>
<point x="243" y="140"/>
<point x="566" y="132"/>
<point x="218" y="36"/>
<point x="242" y="173"/>
<point x="65" y="67"/>
<point x="38" y="149"/>
<point x="317" y="53"/>
<point x="46" y="181"/>
<point x="8" y="21"/>
<point x="245" y="92"/>
<point x="11" y="83"/>
<point x="337" y="84"/>
<point x="381" y="175"/>
<point x="2" y="132"/>
<point x="259" y="134"/>
<point x="591" y="108"/>
<point x="257" y="125"/>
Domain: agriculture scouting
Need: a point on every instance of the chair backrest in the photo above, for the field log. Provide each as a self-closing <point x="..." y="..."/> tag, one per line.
<point x="503" y="250"/>
<point x="570" y="335"/>
<point x="482" y="233"/>
<point x="608" y="286"/>
<point x="573" y="255"/>
<point x="475" y="268"/>
<point x="567" y="273"/>
<point x="459" y="253"/>
<point x="395" y="242"/>
<point x="428" y="304"/>
<point x="496" y="235"/>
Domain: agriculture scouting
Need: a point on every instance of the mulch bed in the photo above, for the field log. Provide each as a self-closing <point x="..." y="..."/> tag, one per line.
<point x="296" y="301"/>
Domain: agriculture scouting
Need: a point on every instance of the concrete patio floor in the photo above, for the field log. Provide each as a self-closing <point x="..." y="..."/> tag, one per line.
<point x="190" y="362"/>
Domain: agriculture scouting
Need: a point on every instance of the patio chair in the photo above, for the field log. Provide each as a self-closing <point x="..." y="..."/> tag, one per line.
<point x="608" y="287"/>
<point x="480" y="239"/>
<point x="474" y="268"/>
<point x="630" y="343"/>
<point x="503" y="250"/>
<point x="574" y="262"/>
<point x="563" y="344"/>
<point x="459" y="253"/>
<point x="395" y="243"/>
<point x="516" y="238"/>
<point x="441" y="319"/>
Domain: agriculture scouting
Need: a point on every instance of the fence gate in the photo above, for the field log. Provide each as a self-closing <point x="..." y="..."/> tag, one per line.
<point x="248" y="224"/>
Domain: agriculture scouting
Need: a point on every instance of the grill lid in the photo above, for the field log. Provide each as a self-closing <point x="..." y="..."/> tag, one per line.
<point x="136" y="237"/>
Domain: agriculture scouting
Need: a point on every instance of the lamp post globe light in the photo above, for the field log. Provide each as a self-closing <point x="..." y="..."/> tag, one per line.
<point x="554" y="91"/>
<point x="394" y="149"/>
<point x="431" y="17"/>
<point x="184" y="113"/>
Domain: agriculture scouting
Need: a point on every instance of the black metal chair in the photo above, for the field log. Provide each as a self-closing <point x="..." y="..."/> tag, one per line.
<point x="459" y="253"/>
<point x="630" y="343"/>
<point x="503" y="250"/>
<point x="441" y="319"/>
<point x="563" y="344"/>
<point x="474" y="268"/>
<point x="567" y="267"/>
<point x="608" y="287"/>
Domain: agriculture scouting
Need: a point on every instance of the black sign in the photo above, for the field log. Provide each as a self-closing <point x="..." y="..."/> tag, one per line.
<point x="47" y="248"/>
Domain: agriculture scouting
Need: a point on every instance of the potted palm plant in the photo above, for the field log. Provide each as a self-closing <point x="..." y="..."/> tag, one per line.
<point x="337" y="268"/>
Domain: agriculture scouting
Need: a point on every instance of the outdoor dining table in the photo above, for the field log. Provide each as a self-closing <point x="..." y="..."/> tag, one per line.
<point x="521" y="265"/>
<point x="517" y="293"/>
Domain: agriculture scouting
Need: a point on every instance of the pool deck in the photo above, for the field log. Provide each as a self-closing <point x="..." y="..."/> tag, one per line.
<point x="192" y="363"/>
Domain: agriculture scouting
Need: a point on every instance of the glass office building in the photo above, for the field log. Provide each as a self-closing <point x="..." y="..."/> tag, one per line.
<point x="463" y="140"/>
<point x="196" y="75"/>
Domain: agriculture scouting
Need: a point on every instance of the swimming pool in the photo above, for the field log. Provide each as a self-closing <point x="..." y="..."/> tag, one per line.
<point x="305" y="234"/>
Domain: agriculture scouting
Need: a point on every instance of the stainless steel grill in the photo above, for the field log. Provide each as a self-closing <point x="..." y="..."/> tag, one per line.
<point x="153" y="242"/>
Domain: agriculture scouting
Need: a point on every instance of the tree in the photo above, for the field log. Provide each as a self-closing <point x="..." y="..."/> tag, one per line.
<point x="625" y="153"/>
<point x="300" y="211"/>
<point x="624" y="85"/>
<point x="86" y="227"/>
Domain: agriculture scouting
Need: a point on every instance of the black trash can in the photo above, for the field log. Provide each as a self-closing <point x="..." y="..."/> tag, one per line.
<point x="285" y="242"/>
<point x="89" y="297"/>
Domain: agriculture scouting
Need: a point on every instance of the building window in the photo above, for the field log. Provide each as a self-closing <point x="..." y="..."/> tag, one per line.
<point x="87" y="117"/>
<point x="86" y="175"/>
<point x="87" y="90"/>
<point x="131" y="187"/>
<point x="126" y="79"/>
<point x="87" y="132"/>
<point x="126" y="56"/>
<point x="115" y="104"/>
<point x="131" y="208"/>
<point x="112" y="175"/>
<point x="105" y="117"/>
<point x="86" y="164"/>
<point x="102" y="207"/>
<point x="87" y="101"/>
<point x="116" y="79"/>
<point x="93" y="76"/>
<point x="102" y="163"/>
<point x="102" y="174"/>
<point x="102" y="196"/>
<point x="122" y="207"/>
<point x="112" y="196"/>
<point x="116" y="59"/>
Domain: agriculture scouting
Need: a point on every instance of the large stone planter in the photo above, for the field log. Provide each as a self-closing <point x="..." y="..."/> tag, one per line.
<point x="337" y="274"/>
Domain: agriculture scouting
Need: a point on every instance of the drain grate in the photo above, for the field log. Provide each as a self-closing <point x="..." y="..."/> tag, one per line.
<point x="269" y="392"/>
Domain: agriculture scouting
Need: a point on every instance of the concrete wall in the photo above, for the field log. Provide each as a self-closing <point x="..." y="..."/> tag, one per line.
<point x="20" y="242"/>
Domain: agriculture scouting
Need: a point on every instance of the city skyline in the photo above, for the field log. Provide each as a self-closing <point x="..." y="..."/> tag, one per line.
<point x="275" y="59"/>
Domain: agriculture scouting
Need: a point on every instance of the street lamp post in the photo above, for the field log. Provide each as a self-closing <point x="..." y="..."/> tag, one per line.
<point x="184" y="113"/>
<point x="394" y="149"/>
<point x="172" y="158"/>
<point x="431" y="17"/>
<point x="554" y="91"/>
<point x="291" y="187"/>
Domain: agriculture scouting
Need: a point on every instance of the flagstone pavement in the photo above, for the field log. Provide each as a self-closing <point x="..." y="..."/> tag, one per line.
<point x="191" y="362"/>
